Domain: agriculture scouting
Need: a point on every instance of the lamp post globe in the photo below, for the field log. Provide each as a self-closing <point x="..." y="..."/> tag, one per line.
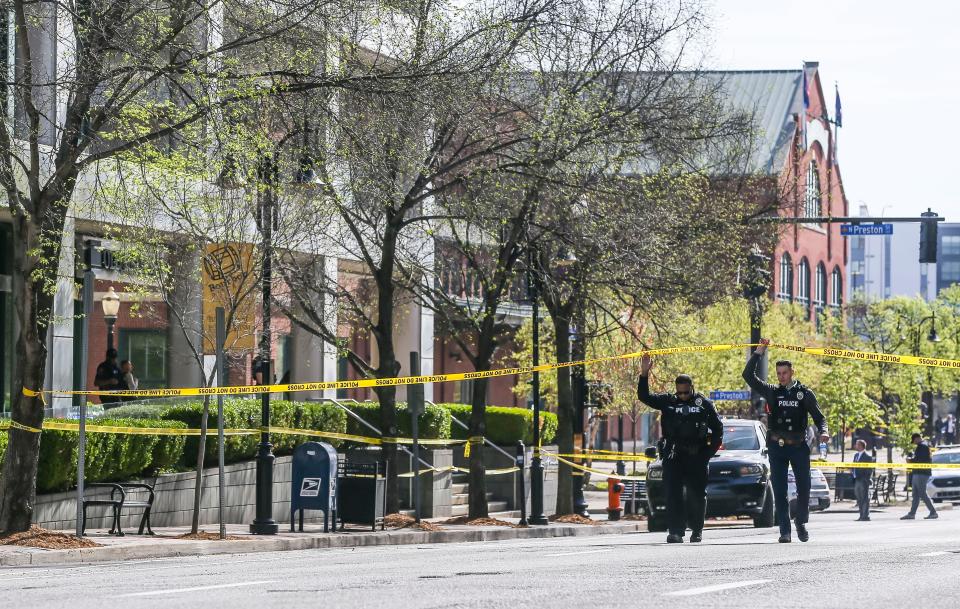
<point x="111" y="308"/>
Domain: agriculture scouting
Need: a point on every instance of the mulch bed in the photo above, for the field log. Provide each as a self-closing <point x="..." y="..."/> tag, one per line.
<point x="482" y="522"/>
<point x="37" y="537"/>
<point x="204" y="536"/>
<point x="574" y="519"/>
<point x="402" y="521"/>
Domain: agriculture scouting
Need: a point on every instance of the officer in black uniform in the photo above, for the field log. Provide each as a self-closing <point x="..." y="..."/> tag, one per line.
<point x="692" y="433"/>
<point x="787" y="408"/>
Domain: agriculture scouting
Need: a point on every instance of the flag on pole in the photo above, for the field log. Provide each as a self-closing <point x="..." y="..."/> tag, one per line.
<point x="839" y="111"/>
<point x="806" y="107"/>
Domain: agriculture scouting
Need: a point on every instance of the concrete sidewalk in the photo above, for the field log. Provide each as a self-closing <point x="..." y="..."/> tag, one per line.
<point x="165" y="544"/>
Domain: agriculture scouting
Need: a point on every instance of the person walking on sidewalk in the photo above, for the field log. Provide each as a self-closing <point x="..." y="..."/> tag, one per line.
<point x="692" y="433"/>
<point x="861" y="481"/>
<point x="921" y="454"/>
<point x="789" y="404"/>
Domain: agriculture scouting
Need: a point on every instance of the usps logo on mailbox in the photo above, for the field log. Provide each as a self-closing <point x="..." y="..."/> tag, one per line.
<point x="310" y="487"/>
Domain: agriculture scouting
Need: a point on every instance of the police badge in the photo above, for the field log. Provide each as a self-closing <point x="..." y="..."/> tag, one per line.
<point x="781" y="442"/>
<point x="799" y="395"/>
<point x="698" y="401"/>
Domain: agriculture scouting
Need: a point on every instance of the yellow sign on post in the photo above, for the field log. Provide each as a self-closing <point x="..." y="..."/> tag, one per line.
<point x="229" y="281"/>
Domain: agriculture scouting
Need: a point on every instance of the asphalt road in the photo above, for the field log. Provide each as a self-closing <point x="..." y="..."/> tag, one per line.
<point x="883" y="563"/>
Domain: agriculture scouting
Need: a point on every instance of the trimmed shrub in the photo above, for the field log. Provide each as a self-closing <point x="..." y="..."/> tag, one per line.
<point x="245" y="414"/>
<point x="108" y="457"/>
<point x="506" y="425"/>
<point x="434" y="423"/>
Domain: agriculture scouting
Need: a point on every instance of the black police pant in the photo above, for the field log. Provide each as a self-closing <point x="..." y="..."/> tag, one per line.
<point x="781" y="458"/>
<point x="685" y="470"/>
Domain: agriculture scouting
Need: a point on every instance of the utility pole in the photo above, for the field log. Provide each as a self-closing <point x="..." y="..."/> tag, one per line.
<point x="755" y="288"/>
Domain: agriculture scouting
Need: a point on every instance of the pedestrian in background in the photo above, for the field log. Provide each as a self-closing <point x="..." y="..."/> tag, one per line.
<point x="920" y="477"/>
<point x="950" y="429"/>
<point x="128" y="381"/>
<point x="861" y="481"/>
<point x="108" y="378"/>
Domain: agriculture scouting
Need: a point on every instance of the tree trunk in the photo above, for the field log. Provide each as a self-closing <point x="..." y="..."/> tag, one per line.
<point x="565" y="414"/>
<point x="478" y="471"/>
<point x="18" y="485"/>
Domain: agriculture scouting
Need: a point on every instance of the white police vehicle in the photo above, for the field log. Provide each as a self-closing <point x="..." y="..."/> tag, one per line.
<point x="944" y="484"/>
<point x="819" y="491"/>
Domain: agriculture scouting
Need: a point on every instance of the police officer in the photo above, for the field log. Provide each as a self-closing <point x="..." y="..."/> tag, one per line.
<point x="692" y="433"/>
<point x="788" y="406"/>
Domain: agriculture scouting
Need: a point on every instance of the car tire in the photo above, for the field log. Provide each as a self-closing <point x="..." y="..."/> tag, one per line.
<point x="656" y="524"/>
<point x="766" y="518"/>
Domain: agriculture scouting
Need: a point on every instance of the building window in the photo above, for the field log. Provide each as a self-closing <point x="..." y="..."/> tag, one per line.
<point x="811" y="202"/>
<point x="147" y="351"/>
<point x="950" y="245"/>
<point x="820" y="293"/>
<point x="785" y="291"/>
<point x="836" y="288"/>
<point x="803" y="283"/>
<point x="949" y="273"/>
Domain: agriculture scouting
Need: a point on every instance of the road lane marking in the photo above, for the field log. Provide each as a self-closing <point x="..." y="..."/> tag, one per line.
<point x="197" y="588"/>
<point x="941" y="553"/>
<point x="577" y="553"/>
<point x="717" y="588"/>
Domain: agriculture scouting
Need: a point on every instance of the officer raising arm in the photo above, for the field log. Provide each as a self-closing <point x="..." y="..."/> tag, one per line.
<point x="692" y="432"/>
<point x="788" y="405"/>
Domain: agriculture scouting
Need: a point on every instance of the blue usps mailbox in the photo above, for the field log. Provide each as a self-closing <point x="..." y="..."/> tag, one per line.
<point x="314" y="482"/>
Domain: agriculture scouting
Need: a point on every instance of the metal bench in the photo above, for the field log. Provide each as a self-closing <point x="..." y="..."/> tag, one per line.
<point x="634" y="497"/>
<point x="117" y="501"/>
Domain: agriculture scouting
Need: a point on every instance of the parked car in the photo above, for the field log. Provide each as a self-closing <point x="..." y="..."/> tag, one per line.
<point x="738" y="483"/>
<point x="944" y="484"/>
<point x="819" y="491"/>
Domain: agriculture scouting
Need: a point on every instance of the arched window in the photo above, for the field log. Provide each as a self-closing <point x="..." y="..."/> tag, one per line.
<point x="803" y="283"/>
<point x="785" y="289"/>
<point x="819" y="293"/>
<point x="836" y="288"/>
<point x="811" y="201"/>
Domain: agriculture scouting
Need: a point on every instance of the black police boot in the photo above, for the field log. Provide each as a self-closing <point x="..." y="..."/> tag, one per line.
<point x="671" y="538"/>
<point x="784" y="538"/>
<point x="696" y="537"/>
<point x="802" y="533"/>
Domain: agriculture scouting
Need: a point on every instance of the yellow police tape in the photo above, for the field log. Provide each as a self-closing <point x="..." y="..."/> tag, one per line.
<point x="584" y="468"/>
<point x="603" y="457"/>
<point x="846" y="465"/>
<point x="459" y="376"/>
<point x="178" y="431"/>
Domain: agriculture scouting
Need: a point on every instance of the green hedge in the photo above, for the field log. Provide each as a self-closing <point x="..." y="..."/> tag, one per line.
<point x="434" y="423"/>
<point x="108" y="457"/>
<point x="245" y="414"/>
<point x="506" y="425"/>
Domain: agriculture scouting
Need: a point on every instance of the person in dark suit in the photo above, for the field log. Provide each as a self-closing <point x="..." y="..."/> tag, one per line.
<point x="861" y="480"/>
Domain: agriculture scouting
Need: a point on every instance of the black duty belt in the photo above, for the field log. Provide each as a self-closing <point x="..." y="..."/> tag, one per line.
<point x="787" y="438"/>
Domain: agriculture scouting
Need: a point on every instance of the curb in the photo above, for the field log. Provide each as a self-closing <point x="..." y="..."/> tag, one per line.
<point x="280" y="544"/>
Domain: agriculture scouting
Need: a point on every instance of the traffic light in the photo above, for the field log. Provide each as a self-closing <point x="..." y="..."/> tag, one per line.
<point x="758" y="275"/>
<point x="928" y="237"/>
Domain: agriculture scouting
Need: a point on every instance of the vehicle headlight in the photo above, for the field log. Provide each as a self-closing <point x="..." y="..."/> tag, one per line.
<point x="751" y="470"/>
<point x="655" y="473"/>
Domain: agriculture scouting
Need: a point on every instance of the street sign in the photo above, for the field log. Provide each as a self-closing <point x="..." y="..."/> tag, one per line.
<point x="717" y="396"/>
<point x="859" y="230"/>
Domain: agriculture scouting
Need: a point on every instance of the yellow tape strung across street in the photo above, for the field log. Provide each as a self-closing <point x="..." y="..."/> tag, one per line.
<point x="460" y="376"/>
<point x="846" y="465"/>
<point x="593" y="471"/>
<point x="592" y="457"/>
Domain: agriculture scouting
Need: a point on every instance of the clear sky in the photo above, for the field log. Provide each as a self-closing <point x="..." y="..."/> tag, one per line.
<point x="898" y="68"/>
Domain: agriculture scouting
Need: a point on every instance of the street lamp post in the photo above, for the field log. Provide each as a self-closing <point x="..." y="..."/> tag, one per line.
<point x="536" y="465"/>
<point x="264" y="524"/>
<point x="927" y="395"/>
<point x="111" y="308"/>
